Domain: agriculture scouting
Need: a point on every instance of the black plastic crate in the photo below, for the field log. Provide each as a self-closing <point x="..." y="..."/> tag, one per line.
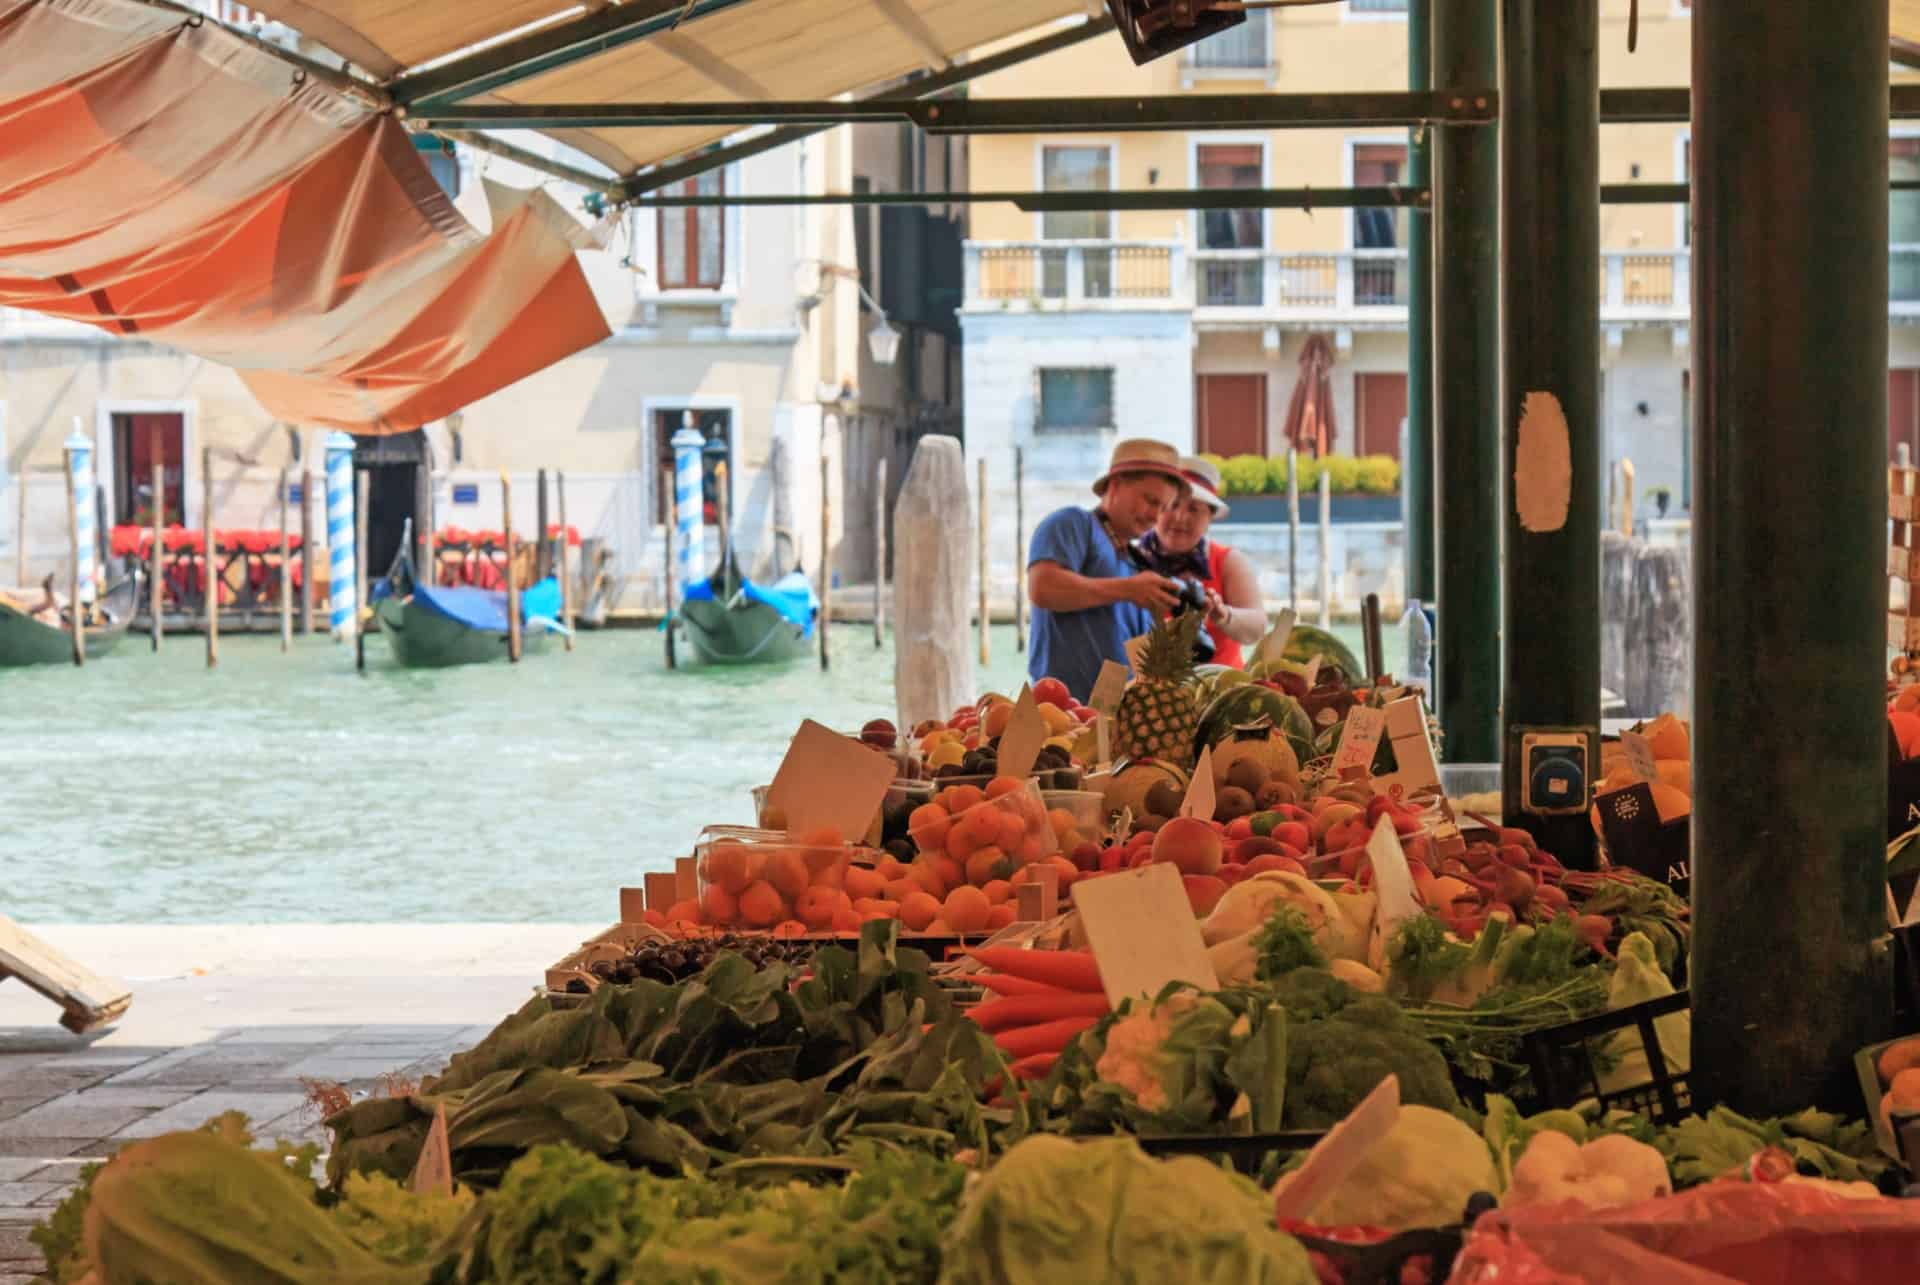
<point x="1565" y="1071"/>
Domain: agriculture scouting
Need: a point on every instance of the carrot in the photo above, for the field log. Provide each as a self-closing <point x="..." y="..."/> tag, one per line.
<point x="1035" y="1067"/>
<point x="1046" y="1037"/>
<point x="1003" y="984"/>
<point x="1071" y="970"/>
<point x="1026" y="1010"/>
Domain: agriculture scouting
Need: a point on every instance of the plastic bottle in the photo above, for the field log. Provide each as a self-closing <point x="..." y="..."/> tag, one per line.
<point x="1419" y="673"/>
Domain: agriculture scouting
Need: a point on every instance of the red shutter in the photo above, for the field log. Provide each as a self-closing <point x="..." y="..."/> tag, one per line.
<point x="1380" y="403"/>
<point x="1903" y="414"/>
<point x="1230" y="414"/>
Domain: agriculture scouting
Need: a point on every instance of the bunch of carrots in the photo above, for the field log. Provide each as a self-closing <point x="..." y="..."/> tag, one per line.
<point x="1042" y="1000"/>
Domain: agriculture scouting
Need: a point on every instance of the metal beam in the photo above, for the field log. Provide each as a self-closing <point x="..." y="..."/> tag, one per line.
<point x="533" y="160"/>
<point x="1550" y="413"/>
<point x="996" y="115"/>
<point x="1789" y="549"/>
<point x="1213" y="198"/>
<point x="546" y="49"/>
<point x="1680" y="194"/>
<point x="1417" y="478"/>
<point x="925" y="86"/>
<point x="1466" y="399"/>
<point x="1674" y="106"/>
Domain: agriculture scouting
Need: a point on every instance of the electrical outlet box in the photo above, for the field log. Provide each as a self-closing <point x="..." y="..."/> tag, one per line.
<point x="1556" y="770"/>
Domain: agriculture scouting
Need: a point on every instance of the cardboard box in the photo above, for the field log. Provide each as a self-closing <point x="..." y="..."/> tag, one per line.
<point x="1637" y="838"/>
<point x="1899" y="1137"/>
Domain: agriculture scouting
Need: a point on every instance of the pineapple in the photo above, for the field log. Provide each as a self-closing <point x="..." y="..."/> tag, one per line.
<point x="1157" y="716"/>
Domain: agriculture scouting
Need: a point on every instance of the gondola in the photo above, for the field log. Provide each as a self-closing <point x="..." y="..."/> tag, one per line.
<point x="433" y="626"/>
<point x="730" y="620"/>
<point x="27" y="640"/>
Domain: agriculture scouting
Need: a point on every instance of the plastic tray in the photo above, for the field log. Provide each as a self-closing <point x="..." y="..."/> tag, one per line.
<point x="732" y="868"/>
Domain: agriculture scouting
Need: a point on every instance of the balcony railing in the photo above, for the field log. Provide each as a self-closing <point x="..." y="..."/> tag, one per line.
<point x="1088" y="273"/>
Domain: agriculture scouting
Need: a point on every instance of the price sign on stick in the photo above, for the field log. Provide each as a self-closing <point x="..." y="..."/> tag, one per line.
<point x="1025" y="733"/>
<point x="1138" y="945"/>
<point x="1313" y="672"/>
<point x="1274" y="645"/>
<point x="1392" y="884"/>
<point x="1639" y="756"/>
<point x="1108" y="687"/>
<point x="1338" y="1154"/>
<point x="828" y="779"/>
<point x="433" y="1171"/>
<point x="1200" y="801"/>
<point x="1359" y="739"/>
<point x="1412" y="749"/>
<point x="1103" y="741"/>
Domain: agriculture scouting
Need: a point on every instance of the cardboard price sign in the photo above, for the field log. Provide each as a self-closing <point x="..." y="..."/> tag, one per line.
<point x="1392" y="881"/>
<point x="1108" y="687"/>
<point x="1138" y="945"/>
<point x="433" y="1171"/>
<point x="1020" y="743"/>
<point x="1103" y="741"/>
<point x="1639" y="756"/>
<point x="1637" y="839"/>
<point x="1359" y="739"/>
<point x="1338" y="1154"/>
<point x="1274" y="645"/>
<point x="1416" y="768"/>
<point x="828" y="779"/>
<point x="1200" y="791"/>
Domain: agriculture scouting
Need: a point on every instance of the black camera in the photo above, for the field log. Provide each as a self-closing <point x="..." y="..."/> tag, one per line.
<point x="1191" y="595"/>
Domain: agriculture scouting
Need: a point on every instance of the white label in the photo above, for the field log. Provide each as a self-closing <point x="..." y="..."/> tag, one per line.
<point x="1107" y="688"/>
<point x="1313" y="672"/>
<point x="1360" y="738"/>
<point x="1338" y="1154"/>
<point x="1274" y="645"/>
<point x="1406" y="726"/>
<point x="1392" y="883"/>
<point x="1199" y="800"/>
<point x="1138" y="944"/>
<point x="1025" y="733"/>
<point x="1639" y="756"/>
<point x="1103" y="741"/>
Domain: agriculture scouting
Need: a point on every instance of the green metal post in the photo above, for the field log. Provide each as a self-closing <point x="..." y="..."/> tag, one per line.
<point x="1466" y="393"/>
<point x="1416" y="470"/>
<point x="1550" y="421"/>
<point x="1789" y="547"/>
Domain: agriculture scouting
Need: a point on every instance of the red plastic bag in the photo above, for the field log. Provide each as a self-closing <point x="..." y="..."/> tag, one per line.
<point x="1723" y="1233"/>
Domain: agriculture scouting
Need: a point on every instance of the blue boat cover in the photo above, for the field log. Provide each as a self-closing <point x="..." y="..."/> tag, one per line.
<point x="791" y="595"/>
<point x="484" y="608"/>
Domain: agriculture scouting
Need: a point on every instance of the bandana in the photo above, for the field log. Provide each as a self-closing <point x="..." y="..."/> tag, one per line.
<point x="1191" y="563"/>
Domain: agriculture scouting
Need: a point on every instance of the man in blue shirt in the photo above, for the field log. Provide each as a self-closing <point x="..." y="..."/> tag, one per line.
<point x="1088" y="599"/>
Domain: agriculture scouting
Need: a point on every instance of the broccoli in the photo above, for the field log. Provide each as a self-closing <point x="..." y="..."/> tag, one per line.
<point x="1310" y="993"/>
<point x="1335" y="1062"/>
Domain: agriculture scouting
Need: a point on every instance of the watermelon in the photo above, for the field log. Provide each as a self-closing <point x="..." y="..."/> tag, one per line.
<point x="1248" y="703"/>
<point x="1306" y="642"/>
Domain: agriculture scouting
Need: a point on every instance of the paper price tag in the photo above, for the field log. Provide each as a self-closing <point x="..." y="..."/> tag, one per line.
<point x="1108" y="687"/>
<point x="1392" y="883"/>
<point x="1200" y="801"/>
<point x="1313" y="672"/>
<point x="1026" y="733"/>
<point x="1123" y="827"/>
<point x="1639" y="756"/>
<point x="1138" y="945"/>
<point x="1406" y="729"/>
<point x="1103" y="741"/>
<point x="827" y="779"/>
<point x="433" y="1171"/>
<point x="1274" y="645"/>
<point x="1336" y="1156"/>
<point x="1359" y="739"/>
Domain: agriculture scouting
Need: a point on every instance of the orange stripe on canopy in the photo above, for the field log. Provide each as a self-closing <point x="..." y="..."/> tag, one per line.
<point x="169" y="180"/>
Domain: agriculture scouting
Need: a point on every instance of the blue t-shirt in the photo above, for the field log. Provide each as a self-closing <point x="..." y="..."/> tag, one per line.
<point x="1070" y="645"/>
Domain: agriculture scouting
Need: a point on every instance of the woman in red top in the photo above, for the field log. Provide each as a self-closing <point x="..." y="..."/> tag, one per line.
<point x="1178" y="546"/>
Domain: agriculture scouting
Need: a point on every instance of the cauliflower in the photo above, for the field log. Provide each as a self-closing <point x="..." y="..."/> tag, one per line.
<point x="1150" y="1050"/>
<point x="1611" y="1170"/>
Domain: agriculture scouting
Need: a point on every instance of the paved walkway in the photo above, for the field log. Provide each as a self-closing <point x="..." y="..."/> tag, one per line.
<point x="237" y="1019"/>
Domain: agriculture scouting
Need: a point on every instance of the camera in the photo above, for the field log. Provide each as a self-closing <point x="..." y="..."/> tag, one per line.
<point x="1191" y="597"/>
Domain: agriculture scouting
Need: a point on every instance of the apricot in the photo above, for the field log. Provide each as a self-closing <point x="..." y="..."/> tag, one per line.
<point x="846" y="921"/>
<point x="819" y="907"/>
<point x="928" y="825"/>
<point x="684" y="912"/>
<point x="898" y="890"/>
<point x="952" y="873"/>
<point x="1013" y="828"/>
<point x="1063" y="823"/>
<point x="1190" y="844"/>
<point x="820" y="836"/>
<point x="928" y="877"/>
<point x="1032" y="848"/>
<point x="891" y="867"/>
<point x="1000" y="785"/>
<point x="919" y="910"/>
<point x="997" y="891"/>
<point x="966" y="908"/>
<point x="939" y="927"/>
<point x="719" y="905"/>
<point x="964" y="797"/>
<point x="987" y="865"/>
<point x="834" y="876"/>
<point x="786" y="872"/>
<point x="730" y="865"/>
<point x="999" y="916"/>
<point x="864" y="881"/>
<point x="761" y="904"/>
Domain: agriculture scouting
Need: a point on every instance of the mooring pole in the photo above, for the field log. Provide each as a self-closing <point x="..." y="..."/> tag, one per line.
<point x="1019" y="549"/>
<point x="1790" y="384"/>
<point x="1416" y="464"/>
<point x="306" y="551"/>
<point x="826" y="562"/>
<point x="286" y="565"/>
<point x="513" y="582"/>
<point x="362" y="607"/>
<point x="1466" y="389"/>
<point x="566" y="558"/>
<point x="210" y="579"/>
<point x="985" y="619"/>
<point x="76" y="611"/>
<point x="880" y="556"/>
<point x="156" y="556"/>
<point x="1550" y="417"/>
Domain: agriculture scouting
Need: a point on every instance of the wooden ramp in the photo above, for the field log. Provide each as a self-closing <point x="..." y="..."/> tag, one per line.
<point x="86" y="1001"/>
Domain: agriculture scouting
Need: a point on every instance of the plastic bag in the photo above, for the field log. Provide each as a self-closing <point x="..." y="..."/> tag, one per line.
<point x="1723" y="1233"/>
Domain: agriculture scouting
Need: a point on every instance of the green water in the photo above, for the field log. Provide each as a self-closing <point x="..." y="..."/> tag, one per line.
<point x="287" y="788"/>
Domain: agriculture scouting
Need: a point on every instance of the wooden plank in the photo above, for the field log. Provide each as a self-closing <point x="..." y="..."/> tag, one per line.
<point x="87" y="1001"/>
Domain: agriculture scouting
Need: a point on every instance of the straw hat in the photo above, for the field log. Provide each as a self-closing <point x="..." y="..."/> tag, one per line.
<point x="1141" y="455"/>
<point x="1204" y="478"/>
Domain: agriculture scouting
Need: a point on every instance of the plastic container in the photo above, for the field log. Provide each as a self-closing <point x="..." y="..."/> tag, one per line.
<point x="1077" y="816"/>
<point x="755" y="879"/>
<point x="902" y="797"/>
<point x="1053" y="778"/>
<point x="1014" y="825"/>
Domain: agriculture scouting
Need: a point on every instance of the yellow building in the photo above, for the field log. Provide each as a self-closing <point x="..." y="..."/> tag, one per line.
<point x="1188" y="326"/>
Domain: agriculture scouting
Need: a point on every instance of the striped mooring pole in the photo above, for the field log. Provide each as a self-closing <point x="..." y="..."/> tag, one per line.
<point x="80" y="478"/>
<point x="689" y="506"/>
<point x="341" y="596"/>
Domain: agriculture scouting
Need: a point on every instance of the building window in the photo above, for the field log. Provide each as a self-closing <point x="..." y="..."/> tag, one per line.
<point x="1076" y="400"/>
<point x="1076" y="169"/>
<point x="1237" y="281"/>
<point x="139" y="442"/>
<point x="693" y="239"/>
<point x="1242" y="46"/>
<point x="1903" y="220"/>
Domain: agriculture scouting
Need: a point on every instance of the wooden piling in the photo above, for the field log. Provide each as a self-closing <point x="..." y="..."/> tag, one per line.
<point x="1326" y="549"/>
<point x="826" y="562"/>
<point x="362" y="615"/>
<point x="306" y="551"/>
<point x="20" y="544"/>
<point x="426" y="571"/>
<point x="1293" y="530"/>
<point x="513" y="584"/>
<point x="880" y="556"/>
<point x="723" y="511"/>
<point x="670" y="508"/>
<point x="76" y="616"/>
<point x="542" y="546"/>
<point x="156" y="556"/>
<point x="286" y="566"/>
<point x="1626" y="498"/>
<point x="1019" y="549"/>
<point x="210" y="577"/>
<point x="566" y="559"/>
<point x="984" y="619"/>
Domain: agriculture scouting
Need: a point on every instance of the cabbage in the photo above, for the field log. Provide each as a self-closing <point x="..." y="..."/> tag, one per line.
<point x="1419" y="1175"/>
<point x="1053" y="1211"/>
<point x="1247" y="906"/>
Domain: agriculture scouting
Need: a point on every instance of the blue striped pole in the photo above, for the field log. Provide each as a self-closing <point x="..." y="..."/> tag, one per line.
<point x="80" y="462"/>
<point x="690" y="509"/>
<point x="341" y="595"/>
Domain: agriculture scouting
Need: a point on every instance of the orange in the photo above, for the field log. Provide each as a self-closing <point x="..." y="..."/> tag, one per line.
<point x="986" y="865"/>
<point x="919" y="910"/>
<point x="785" y="870"/>
<point x="940" y="927"/>
<point x="999" y="916"/>
<point x="719" y="904"/>
<point x="789" y="928"/>
<point x="761" y="905"/>
<point x="864" y="881"/>
<point x="966" y="909"/>
<point x="952" y="873"/>
<point x="846" y="921"/>
<point x="928" y="826"/>
<point x="1000" y="785"/>
<point x="730" y="865"/>
<point x="997" y="891"/>
<point x="981" y="826"/>
<point x="960" y="842"/>
<point x="929" y="877"/>
<point x="890" y="867"/>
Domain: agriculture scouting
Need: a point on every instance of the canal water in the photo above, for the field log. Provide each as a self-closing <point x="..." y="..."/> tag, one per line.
<point x="289" y="788"/>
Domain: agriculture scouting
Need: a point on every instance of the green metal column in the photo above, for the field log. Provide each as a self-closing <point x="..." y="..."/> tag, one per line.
<point x="1416" y="471"/>
<point x="1550" y="421"/>
<point x="1466" y="392"/>
<point x="1789" y="546"/>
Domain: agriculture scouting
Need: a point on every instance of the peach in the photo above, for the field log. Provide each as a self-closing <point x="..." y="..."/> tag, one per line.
<point x="995" y="720"/>
<point x="864" y="881"/>
<point x="846" y="921"/>
<point x="684" y="912"/>
<point x="966" y="908"/>
<point x="719" y="905"/>
<point x="919" y="910"/>
<point x="730" y="865"/>
<point x="761" y="904"/>
<point x="1189" y="843"/>
<point x="1204" y="892"/>
<point x="786" y="871"/>
<point x="999" y="916"/>
<point x="900" y="889"/>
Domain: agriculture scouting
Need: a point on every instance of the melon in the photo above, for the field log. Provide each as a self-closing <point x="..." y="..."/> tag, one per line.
<point x="1263" y="743"/>
<point x="1247" y="704"/>
<point x="1128" y="785"/>
<point x="1306" y="642"/>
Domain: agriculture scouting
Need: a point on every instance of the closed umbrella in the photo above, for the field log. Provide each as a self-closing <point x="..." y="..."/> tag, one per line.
<point x="1310" y="413"/>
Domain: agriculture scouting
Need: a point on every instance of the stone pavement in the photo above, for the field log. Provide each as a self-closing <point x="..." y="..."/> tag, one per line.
<point x="238" y="1019"/>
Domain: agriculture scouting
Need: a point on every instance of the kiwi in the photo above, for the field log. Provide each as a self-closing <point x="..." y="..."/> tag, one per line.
<point x="1232" y="803"/>
<point x="1248" y="775"/>
<point x="1150" y="823"/>
<point x="1163" y="800"/>
<point x="1274" y="793"/>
